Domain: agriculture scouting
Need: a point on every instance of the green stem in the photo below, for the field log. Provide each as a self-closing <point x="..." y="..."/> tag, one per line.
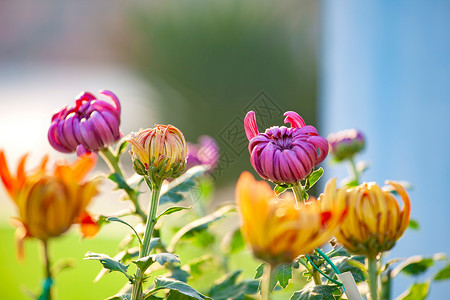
<point x="354" y="169"/>
<point x="151" y="220"/>
<point x="373" y="276"/>
<point x="298" y="192"/>
<point x="266" y="293"/>
<point x="47" y="293"/>
<point x="114" y="165"/>
<point x="316" y="278"/>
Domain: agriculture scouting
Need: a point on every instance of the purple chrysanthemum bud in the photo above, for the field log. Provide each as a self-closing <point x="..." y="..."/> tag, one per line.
<point x="88" y="126"/>
<point x="285" y="155"/>
<point x="346" y="143"/>
<point x="206" y="152"/>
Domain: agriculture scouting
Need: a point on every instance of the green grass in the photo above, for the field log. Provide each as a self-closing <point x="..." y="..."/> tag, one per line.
<point x="74" y="283"/>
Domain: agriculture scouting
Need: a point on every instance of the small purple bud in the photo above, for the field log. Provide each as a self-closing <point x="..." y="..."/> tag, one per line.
<point x="206" y="152"/>
<point x="346" y="143"/>
<point x="88" y="126"/>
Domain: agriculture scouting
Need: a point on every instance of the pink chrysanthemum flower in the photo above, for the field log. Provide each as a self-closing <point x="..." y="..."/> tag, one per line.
<point x="285" y="155"/>
<point x="89" y="126"/>
<point x="346" y="143"/>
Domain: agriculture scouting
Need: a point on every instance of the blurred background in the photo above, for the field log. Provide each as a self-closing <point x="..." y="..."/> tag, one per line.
<point x="381" y="67"/>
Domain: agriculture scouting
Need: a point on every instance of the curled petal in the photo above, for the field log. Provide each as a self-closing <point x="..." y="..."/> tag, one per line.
<point x="251" y="129"/>
<point x="294" y="119"/>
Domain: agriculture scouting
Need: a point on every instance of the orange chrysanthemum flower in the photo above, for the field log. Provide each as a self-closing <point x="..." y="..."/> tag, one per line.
<point x="49" y="203"/>
<point x="278" y="230"/>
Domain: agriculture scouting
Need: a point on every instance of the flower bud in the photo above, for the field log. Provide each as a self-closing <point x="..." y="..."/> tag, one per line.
<point x="88" y="126"/>
<point x="158" y="152"/>
<point x="285" y="155"/>
<point x="206" y="152"/>
<point x="346" y="143"/>
<point x="374" y="219"/>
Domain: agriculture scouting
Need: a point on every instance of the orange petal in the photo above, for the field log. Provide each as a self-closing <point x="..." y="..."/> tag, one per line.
<point x="83" y="165"/>
<point x="8" y="180"/>
<point x="88" y="227"/>
<point x="21" y="176"/>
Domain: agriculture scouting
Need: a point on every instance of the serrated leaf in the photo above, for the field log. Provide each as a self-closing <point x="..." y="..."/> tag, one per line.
<point x="352" y="265"/>
<point x="176" y="295"/>
<point x="313" y="178"/>
<point x="283" y="274"/>
<point x="121" y="183"/>
<point x="199" y="225"/>
<point x="109" y="263"/>
<point x="418" y="291"/>
<point x="171" y="210"/>
<point x="259" y="271"/>
<point x="443" y="274"/>
<point x="166" y="283"/>
<point x="153" y="243"/>
<point x="317" y="292"/>
<point x="162" y="258"/>
<point x="226" y="287"/>
<point x="413" y="224"/>
<point x="122" y="256"/>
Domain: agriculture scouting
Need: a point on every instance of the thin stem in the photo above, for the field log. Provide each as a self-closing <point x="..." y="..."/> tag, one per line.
<point x="151" y="220"/>
<point x="266" y="293"/>
<point x="114" y="165"/>
<point x="373" y="276"/>
<point x="354" y="169"/>
<point x="48" y="273"/>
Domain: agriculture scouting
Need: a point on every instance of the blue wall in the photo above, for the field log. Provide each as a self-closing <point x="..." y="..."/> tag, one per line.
<point x="385" y="69"/>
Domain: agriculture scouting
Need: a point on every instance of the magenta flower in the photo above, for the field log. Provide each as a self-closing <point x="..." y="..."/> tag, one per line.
<point x="206" y="152"/>
<point x="285" y="155"/>
<point x="346" y="143"/>
<point x="89" y="126"/>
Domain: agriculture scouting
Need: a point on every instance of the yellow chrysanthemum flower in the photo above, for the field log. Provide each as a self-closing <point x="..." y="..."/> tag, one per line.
<point x="278" y="230"/>
<point x="374" y="219"/>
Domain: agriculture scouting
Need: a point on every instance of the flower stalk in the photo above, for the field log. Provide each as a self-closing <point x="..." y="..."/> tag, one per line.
<point x="373" y="276"/>
<point x="150" y="225"/>
<point x="47" y="292"/>
<point x="354" y="169"/>
<point x="269" y="270"/>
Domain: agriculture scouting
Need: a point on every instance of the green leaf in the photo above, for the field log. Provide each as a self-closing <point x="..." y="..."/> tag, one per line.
<point x="414" y="265"/>
<point x="123" y="256"/>
<point x="228" y="288"/>
<point x="115" y="219"/>
<point x="176" y="295"/>
<point x="166" y="283"/>
<point x="279" y="189"/>
<point x="259" y="271"/>
<point x="120" y="297"/>
<point x="171" y="210"/>
<point x="199" y="225"/>
<point x="443" y="274"/>
<point x="283" y="274"/>
<point x="352" y="265"/>
<point x="121" y="183"/>
<point x="313" y="178"/>
<point x="162" y="258"/>
<point x="121" y="147"/>
<point x="338" y="251"/>
<point x="413" y="224"/>
<point x="317" y="292"/>
<point x="172" y="192"/>
<point x="153" y="243"/>
<point x="418" y="291"/>
<point x="237" y="242"/>
<point x="179" y="274"/>
<point x="109" y="263"/>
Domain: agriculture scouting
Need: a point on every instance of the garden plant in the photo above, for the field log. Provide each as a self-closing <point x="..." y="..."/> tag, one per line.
<point x="332" y="246"/>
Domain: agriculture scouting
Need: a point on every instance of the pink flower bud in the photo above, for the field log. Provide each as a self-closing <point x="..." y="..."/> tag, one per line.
<point x="88" y="126"/>
<point x="346" y="143"/>
<point x="285" y="155"/>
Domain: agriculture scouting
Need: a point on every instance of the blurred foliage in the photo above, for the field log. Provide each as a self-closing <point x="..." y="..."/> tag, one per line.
<point x="209" y="60"/>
